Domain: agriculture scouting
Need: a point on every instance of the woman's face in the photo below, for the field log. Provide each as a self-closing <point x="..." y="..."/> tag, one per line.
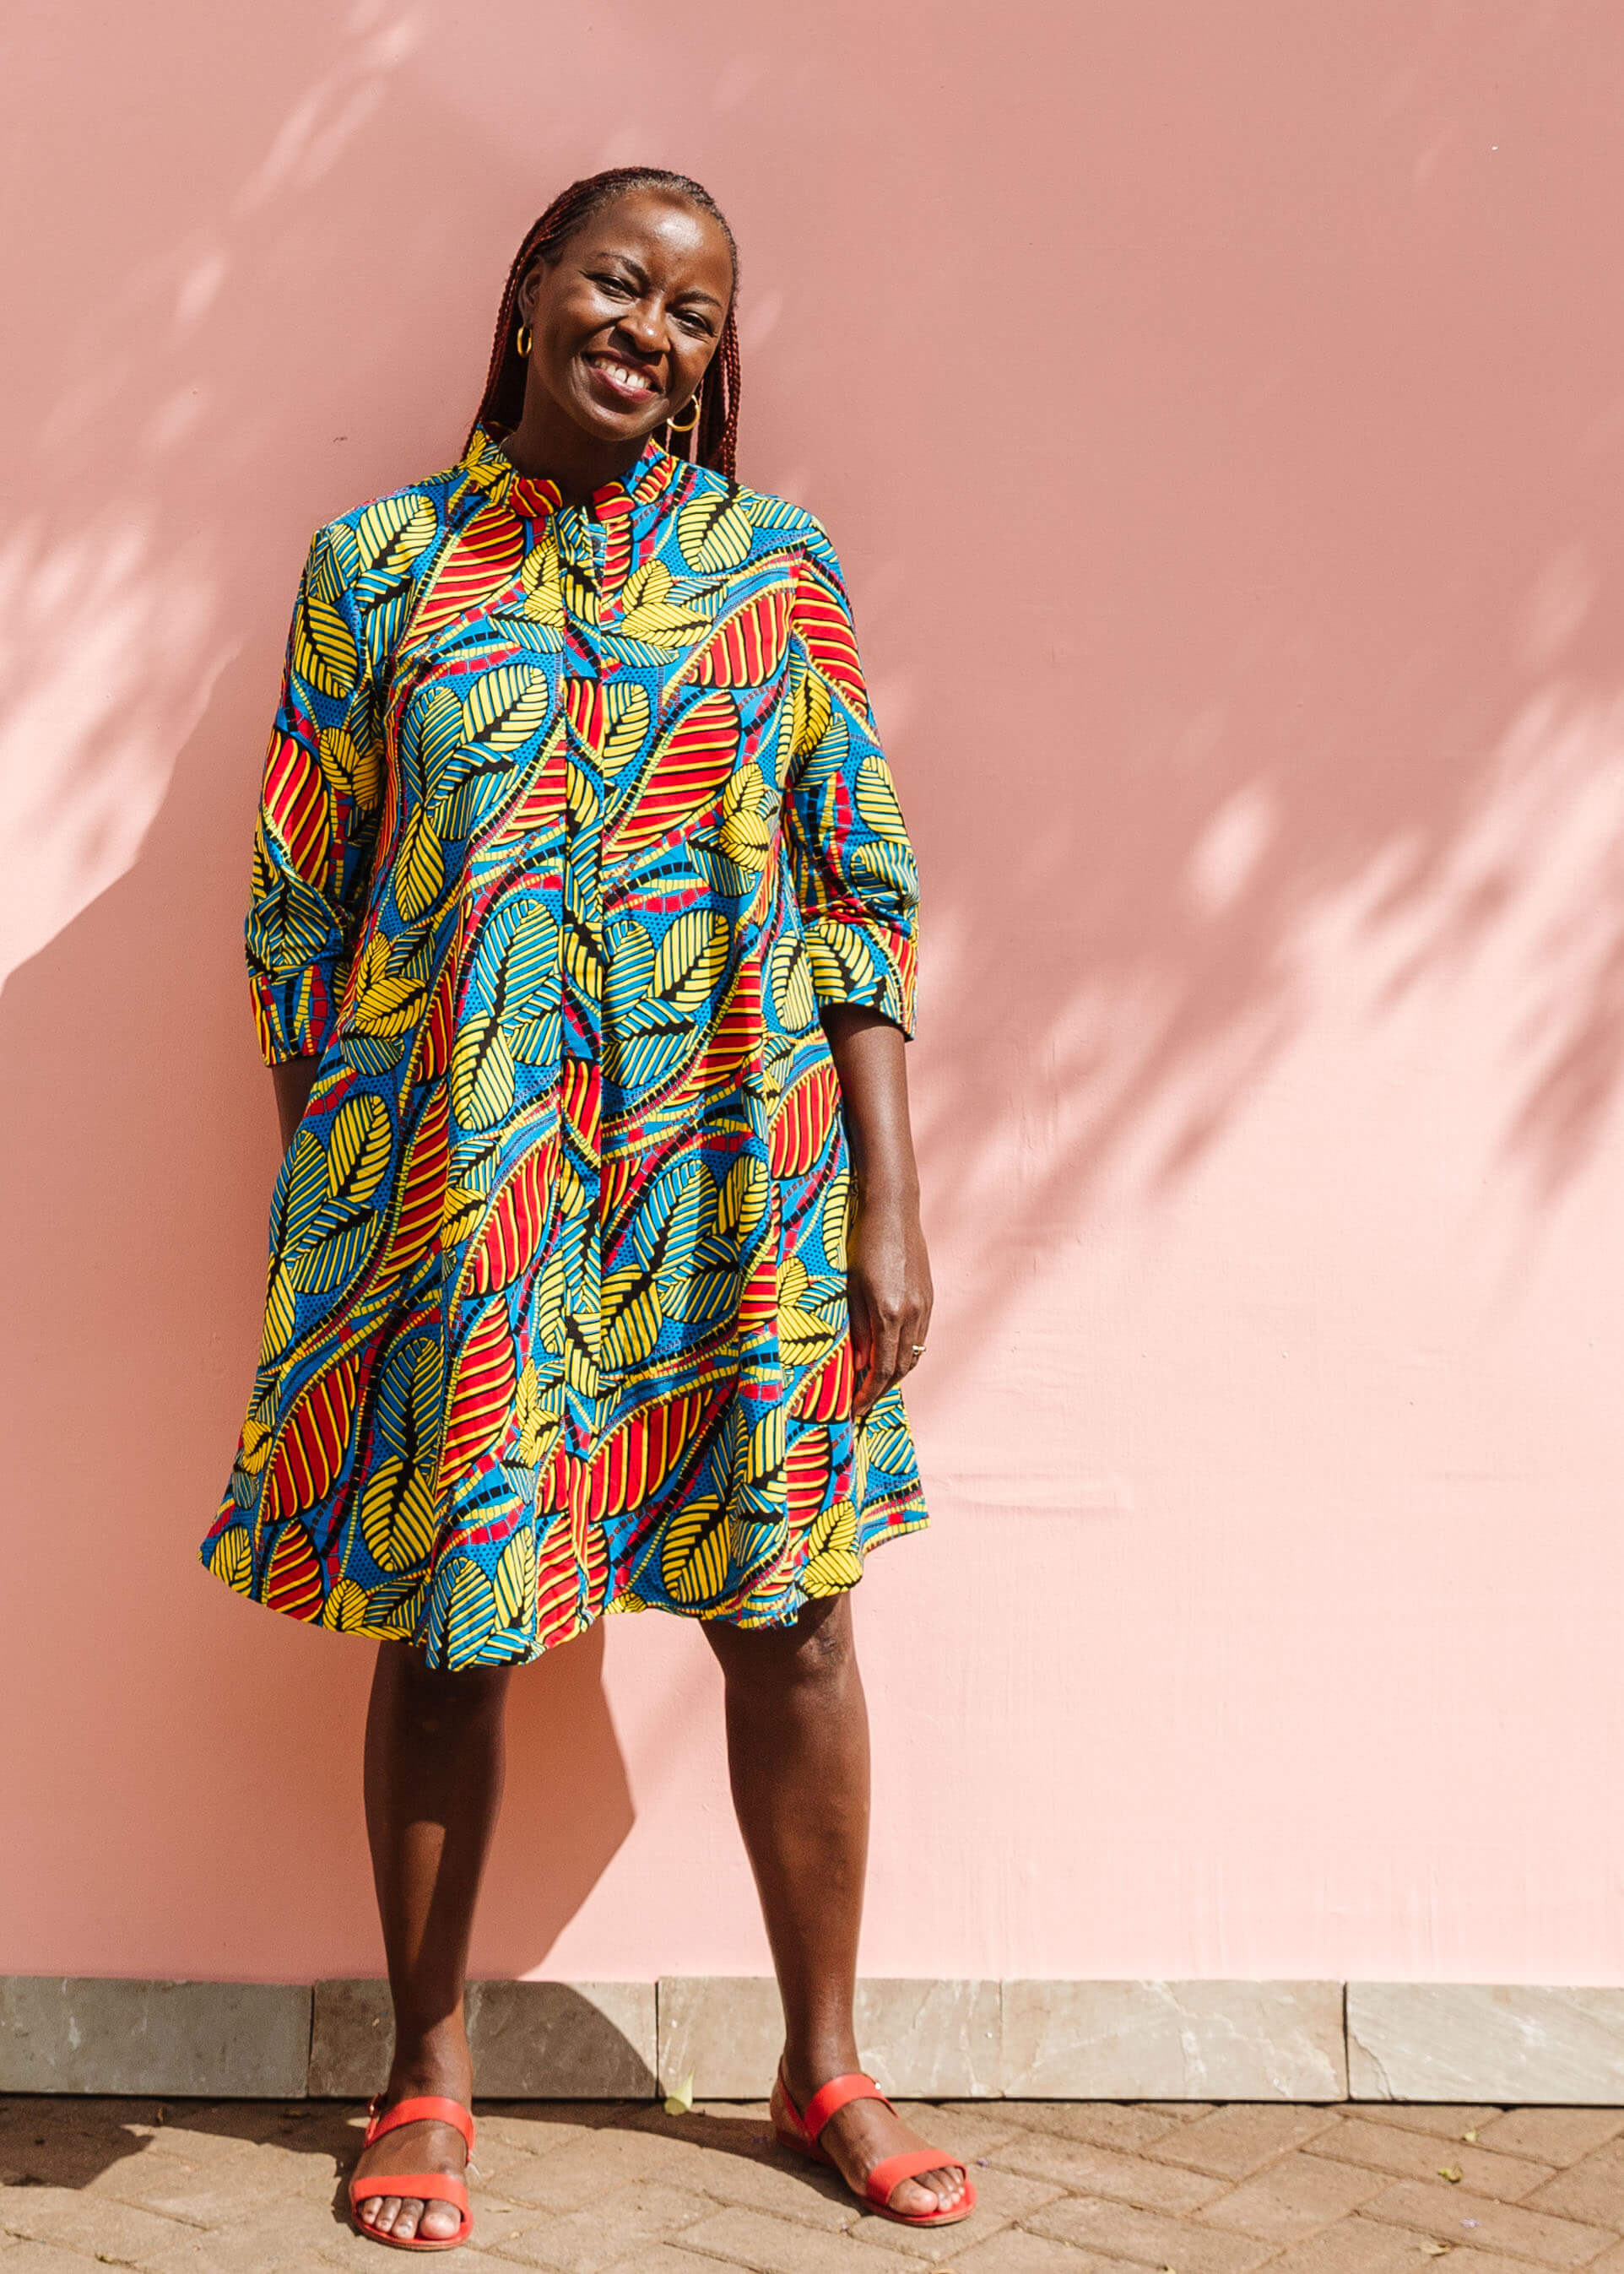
<point x="629" y="316"/>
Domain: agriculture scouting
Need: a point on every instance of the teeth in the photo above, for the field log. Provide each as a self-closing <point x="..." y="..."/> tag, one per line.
<point x="617" y="370"/>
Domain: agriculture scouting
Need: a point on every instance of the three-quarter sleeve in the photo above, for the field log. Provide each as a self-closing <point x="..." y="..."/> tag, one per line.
<point x="319" y="808"/>
<point x="853" y="865"/>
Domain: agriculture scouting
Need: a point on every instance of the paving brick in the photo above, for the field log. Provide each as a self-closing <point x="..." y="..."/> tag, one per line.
<point x="1294" y="2197"/>
<point x="47" y="2258"/>
<point x="1356" y="2247"/>
<point x="772" y="2246"/>
<point x="1117" y="2230"/>
<point x="1551" y="2135"/>
<point x="1611" y="2262"/>
<point x="1592" y="2188"/>
<point x="1016" y="2252"/>
<point x="963" y="2132"/>
<point x="292" y="2236"/>
<point x="1102" y="2123"/>
<point x="665" y="2258"/>
<point x="1238" y="2140"/>
<point x="618" y="2225"/>
<point x="1073" y="2165"/>
<point x="1449" y="2121"/>
<point x="88" y="2224"/>
<point x="1550" y="2242"/>
<point x="578" y="2174"/>
<point x="1420" y="2155"/>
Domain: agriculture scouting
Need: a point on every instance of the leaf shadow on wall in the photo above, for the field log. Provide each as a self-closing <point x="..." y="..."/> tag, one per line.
<point x="139" y="1142"/>
<point x="1308" y="758"/>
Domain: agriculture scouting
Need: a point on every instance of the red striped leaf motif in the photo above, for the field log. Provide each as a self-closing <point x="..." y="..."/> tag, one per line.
<point x="746" y="648"/>
<point x="511" y="1233"/>
<point x="310" y="1448"/>
<point x="807" y="1475"/>
<point x="538" y="811"/>
<point x="293" y="1584"/>
<point x="481" y="1395"/>
<point x="481" y="560"/>
<point x="686" y="775"/>
<point x="581" y="1102"/>
<point x="422" y="1187"/>
<point x="804" y="1117"/>
<point x="826" y="1393"/>
<point x="298" y="805"/>
<point x="826" y="627"/>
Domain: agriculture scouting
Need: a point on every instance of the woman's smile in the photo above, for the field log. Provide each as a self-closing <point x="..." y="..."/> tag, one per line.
<point x="622" y="385"/>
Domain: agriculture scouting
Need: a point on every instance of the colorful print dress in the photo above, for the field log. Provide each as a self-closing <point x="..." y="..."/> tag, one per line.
<point x="573" y="820"/>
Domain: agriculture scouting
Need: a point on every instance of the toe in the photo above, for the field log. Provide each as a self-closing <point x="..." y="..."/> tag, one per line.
<point x="388" y="2211"/>
<point x="406" y="2224"/>
<point x="438" y="2220"/>
<point x="915" y="2197"/>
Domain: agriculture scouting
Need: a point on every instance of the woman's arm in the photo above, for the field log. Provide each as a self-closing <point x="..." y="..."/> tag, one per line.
<point x="295" y="1077"/>
<point x="889" y="1271"/>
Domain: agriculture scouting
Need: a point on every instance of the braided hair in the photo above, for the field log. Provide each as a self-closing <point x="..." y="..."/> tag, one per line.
<point x="712" y="441"/>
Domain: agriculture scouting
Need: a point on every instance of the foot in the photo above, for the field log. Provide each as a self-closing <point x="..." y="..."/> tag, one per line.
<point x="427" y="2147"/>
<point x="864" y="2133"/>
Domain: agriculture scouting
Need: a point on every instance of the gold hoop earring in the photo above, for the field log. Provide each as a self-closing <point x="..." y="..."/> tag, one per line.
<point x="524" y="339"/>
<point x="671" y="427"/>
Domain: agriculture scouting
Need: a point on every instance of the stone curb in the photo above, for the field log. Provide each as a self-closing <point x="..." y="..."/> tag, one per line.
<point x="927" y="2039"/>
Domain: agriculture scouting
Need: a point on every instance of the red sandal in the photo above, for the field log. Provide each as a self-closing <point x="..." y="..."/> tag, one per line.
<point x="417" y="2186"/>
<point x="800" y="2128"/>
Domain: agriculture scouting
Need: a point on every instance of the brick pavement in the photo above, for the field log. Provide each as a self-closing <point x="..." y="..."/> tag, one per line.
<point x="1066" y="2187"/>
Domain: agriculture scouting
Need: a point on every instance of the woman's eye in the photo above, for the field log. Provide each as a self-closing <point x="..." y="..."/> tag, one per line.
<point x="612" y="283"/>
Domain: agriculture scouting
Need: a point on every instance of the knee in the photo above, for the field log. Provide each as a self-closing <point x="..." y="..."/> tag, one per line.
<point x="816" y="1654"/>
<point x="437" y="1704"/>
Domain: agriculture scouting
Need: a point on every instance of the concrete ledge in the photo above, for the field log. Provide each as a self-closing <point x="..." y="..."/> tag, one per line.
<point x="930" y="2039"/>
<point x="531" y="2040"/>
<point x="1046" y="2040"/>
<point x="1174" y="2041"/>
<point x="1452" y="2041"/>
<point x="234" y="2040"/>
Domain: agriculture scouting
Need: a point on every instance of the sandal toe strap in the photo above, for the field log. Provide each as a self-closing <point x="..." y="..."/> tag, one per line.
<point x="888" y="2175"/>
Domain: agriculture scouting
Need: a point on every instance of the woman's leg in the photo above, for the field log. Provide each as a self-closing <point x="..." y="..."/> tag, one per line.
<point x="433" y="1786"/>
<point x="798" y="1755"/>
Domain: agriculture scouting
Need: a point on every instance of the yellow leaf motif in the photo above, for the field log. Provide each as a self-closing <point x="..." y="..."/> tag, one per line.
<point x="692" y="958"/>
<point x="398" y="1516"/>
<point x="506" y="707"/>
<point x="420" y="870"/>
<point x="516" y="1576"/>
<point x="481" y="1075"/>
<point x="648" y="612"/>
<point x="345" y="1608"/>
<point x="876" y="799"/>
<point x="231" y="1559"/>
<point x="393" y="531"/>
<point x="358" y="1148"/>
<point x="834" y="1564"/>
<point x="631" y="1317"/>
<point x="744" y="836"/>
<point x="837" y="1219"/>
<point x="792" y="994"/>
<point x="714" y="533"/>
<point x="694" y="1551"/>
<point x="349" y="768"/>
<point x="472" y="1616"/>
<point x="743" y="1201"/>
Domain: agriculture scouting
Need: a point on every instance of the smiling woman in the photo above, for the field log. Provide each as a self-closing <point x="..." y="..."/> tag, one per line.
<point x="582" y="946"/>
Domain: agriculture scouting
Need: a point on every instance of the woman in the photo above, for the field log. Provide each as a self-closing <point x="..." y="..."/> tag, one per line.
<point x="582" y="944"/>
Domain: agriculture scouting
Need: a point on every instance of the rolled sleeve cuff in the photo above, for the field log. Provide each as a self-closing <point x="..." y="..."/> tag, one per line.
<point x="294" y="1012"/>
<point x="868" y="965"/>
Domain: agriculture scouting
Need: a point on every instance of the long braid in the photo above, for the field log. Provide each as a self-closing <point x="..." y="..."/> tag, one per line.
<point x="714" y="440"/>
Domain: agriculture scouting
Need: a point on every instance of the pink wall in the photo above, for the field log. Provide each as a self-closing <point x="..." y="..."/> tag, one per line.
<point x="1221" y="409"/>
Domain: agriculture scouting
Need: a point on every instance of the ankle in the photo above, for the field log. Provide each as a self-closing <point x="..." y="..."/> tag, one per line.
<point x="808" y="2068"/>
<point x="432" y="2060"/>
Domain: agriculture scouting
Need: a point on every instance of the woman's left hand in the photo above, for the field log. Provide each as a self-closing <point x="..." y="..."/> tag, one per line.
<point x="888" y="1285"/>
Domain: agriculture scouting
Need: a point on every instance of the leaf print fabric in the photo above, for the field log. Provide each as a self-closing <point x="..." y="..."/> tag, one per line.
<point x="573" y="821"/>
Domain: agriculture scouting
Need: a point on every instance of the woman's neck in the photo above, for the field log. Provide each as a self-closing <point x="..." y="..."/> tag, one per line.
<point x="555" y="450"/>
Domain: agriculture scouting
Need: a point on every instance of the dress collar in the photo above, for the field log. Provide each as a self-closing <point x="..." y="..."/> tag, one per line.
<point x="537" y="499"/>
